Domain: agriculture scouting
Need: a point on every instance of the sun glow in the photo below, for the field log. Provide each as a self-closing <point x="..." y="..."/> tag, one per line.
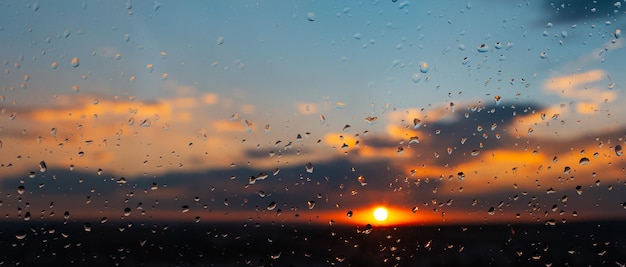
<point x="381" y="214"/>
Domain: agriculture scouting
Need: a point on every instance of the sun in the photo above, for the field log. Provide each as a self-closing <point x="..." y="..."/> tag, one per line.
<point x="381" y="214"/>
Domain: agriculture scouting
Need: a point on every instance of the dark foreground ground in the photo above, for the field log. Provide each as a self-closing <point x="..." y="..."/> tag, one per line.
<point x="239" y="244"/>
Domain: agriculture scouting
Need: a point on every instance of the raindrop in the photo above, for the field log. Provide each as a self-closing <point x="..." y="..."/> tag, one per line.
<point x="75" y="62"/>
<point x="66" y="33"/>
<point x="220" y="40"/>
<point x="424" y="67"/>
<point x="346" y="128"/>
<point x="567" y="170"/>
<point x="583" y="161"/>
<point x="498" y="45"/>
<point x="415" y="77"/>
<point x="461" y="176"/>
<point x="145" y="123"/>
<point x="361" y="180"/>
<point x="185" y="208"/>
<point x="414" y="209"/>
<point x="87" y="227"/>
<point x="579" y="190"/>
<point x="465" y="60"/>
<point x="618" y="150"/>
<point x="54" y="65"/>
<point x="543" y="55"/>
<point x="368" y="229"/>
<point x="497" y="99"/>
<point x="417" y="123"/>
<point x="311" y="204"/>
<point x="618" y="33"/>
<point x="271" y="206"/>
<point x="483" y="48"/>
<point x="310" y="16"/>
<point x="127" y="212"/>
<point x="42" y="166"/>
<point x="309" y="167"/>
<point x="349" y="214"/>
<point x="20" y="235"/>
<point x="491" y="211"/>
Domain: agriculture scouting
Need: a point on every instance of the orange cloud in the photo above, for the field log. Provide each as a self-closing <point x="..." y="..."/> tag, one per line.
<point x="210" y="99"/>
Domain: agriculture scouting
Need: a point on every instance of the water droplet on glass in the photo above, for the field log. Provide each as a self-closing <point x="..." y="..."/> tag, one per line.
<point x="415" y="77"/>
<point x="21" y="189"/>
<point x="579" y="190"/>
<point x="145" y="123"/>
<point x="566" y="170"/>
<point x="310" y="16"/>
<point x="618" y="33"/>
<point x="618" y="150"/>
<point x="346" y="128"/>
<point x="87" y="227"/>
<point x="75" y="62"/>
<point x="349" y="214"/>
<point x="543" y="55"/>
<point x="583" y="161"/>
<point x="368" y="229"/>
<point x="127" y="212"/>
<point x="483" y="48"/>
<point x="415" y="209"/>
<point x="20" y="235"/>
<point x="185" y="208"/>
<point x="424" y="67"/>
<point x="309" y="167"/>
<point x="271" y="206"/>
<point x="491" y="211"/>
<point x="497" y="99"/>
<point x="417" y="123"/>
<point x="311" y="204"/>
<point x="54" y="65"/>
<point x="361" y="180"/>
<point x="461" y="176"/>
<point x="42" y="166"/>
<point x="66" y="33"/>
<point x="220" y="40"/>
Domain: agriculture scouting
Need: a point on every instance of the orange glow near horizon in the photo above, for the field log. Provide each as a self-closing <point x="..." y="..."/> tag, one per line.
<point x="396" y="216"/>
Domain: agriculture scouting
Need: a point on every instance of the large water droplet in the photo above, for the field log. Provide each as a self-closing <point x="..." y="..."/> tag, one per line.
<point x="618" y="150"/>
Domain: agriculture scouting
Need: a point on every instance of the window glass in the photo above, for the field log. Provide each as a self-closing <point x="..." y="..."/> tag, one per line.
<point x="312" y="133"/>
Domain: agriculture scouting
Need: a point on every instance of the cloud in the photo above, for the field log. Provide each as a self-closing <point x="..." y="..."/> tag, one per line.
<point x="581" y="86"/>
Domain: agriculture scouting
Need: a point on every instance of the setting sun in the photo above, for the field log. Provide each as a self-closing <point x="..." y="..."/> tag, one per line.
<point x="380" y="214"/>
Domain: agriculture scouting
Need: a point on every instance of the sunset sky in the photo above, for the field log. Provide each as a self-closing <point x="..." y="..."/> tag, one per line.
<point x="256" y="111"/>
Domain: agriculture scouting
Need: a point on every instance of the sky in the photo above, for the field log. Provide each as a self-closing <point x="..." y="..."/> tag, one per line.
<point x="308" y="111"/>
